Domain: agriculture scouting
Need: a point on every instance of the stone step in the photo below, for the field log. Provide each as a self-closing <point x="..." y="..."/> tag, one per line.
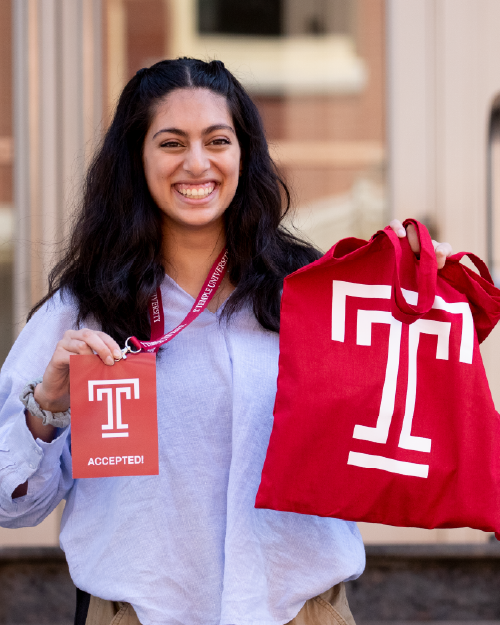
<point x="35" y="587"/>
<point x="402" y="585"/>
<point x="408" y="583"/>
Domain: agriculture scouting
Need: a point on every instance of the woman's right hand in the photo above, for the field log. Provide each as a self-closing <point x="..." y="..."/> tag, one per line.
<point x="53" y="393"/>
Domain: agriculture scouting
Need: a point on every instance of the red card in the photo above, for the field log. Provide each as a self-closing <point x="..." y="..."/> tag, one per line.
<point x="114" y="426"/>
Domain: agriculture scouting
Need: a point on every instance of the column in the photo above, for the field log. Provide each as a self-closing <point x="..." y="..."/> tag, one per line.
<point x="58" y="111"/>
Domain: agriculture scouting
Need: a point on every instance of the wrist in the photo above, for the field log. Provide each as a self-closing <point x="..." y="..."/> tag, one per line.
<point x="48" y="402"/>
<point x="35" y="425"/>
<point x="50" y="410"/>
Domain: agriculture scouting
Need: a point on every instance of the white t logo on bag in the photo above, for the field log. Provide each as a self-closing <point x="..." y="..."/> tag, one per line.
<point x="366" y="318"/>
<point x="104" y="388"/>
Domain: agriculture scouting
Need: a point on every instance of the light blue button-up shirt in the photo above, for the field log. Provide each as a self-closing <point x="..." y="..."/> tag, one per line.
<point x="185" y="547"/>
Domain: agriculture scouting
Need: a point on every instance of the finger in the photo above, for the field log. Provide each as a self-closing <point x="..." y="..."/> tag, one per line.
<point x="75" y="346"/>
<point x="443" y="247"/>
<point x="64" y="349"/>
<point x="443" y="251"/>
<point x="398" y="228"/>
<point x="67" y="347"/>
<point x="107" y="340"/>
<point x="440" y="259"/>
<point x="112" y="344"/>
<point x="412" y="235"/>
<point x="93" y="339"/>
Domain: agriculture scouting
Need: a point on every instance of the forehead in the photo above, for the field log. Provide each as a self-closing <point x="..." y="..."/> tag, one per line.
<point x="191" y="109"/>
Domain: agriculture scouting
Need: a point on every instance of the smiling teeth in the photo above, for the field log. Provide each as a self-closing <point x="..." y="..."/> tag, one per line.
<point x="198" y="193"/>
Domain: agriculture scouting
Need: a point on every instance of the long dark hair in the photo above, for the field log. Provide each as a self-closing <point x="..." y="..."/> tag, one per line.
<point x="112" y="263"/>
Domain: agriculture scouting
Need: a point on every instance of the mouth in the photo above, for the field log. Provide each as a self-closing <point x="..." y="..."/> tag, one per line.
<point x="193" y="191"/>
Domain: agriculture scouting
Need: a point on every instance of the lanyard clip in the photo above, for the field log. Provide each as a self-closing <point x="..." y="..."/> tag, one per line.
<point x="126" y="350"/>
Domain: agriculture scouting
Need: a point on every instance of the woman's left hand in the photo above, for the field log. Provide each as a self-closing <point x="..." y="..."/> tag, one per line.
<point x="443" y="250"/>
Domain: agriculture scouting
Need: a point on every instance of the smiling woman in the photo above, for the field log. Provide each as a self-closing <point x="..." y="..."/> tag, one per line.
<point x="192" y="161"/>
<point x="183" y="172"/>
<point x="178" y="124"/>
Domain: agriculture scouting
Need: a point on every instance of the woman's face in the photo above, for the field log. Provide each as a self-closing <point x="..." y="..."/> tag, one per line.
<point x="192" y="158"/>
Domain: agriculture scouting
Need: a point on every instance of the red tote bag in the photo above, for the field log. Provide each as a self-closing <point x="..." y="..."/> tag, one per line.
<point x="383" y="412"/>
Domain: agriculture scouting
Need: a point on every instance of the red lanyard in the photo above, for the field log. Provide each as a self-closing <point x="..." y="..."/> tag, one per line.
<point x="208" y="290"/>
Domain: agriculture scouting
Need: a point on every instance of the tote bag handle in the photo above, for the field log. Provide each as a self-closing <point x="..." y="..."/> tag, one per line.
<point x="425" y="267"/>
<point x="480" y="265"/>
<point x="483" y="295"/>
<point x="426" y="270"/>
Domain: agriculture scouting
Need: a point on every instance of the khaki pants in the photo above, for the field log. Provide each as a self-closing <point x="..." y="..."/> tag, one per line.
<point x="329" y="608"/>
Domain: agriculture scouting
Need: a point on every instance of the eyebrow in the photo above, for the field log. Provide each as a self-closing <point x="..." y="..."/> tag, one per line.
<point x="207" y="131"/>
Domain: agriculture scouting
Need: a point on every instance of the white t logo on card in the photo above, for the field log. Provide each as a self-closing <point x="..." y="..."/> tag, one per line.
<point x="366" y="318"/>
<point x="120" y="387"/>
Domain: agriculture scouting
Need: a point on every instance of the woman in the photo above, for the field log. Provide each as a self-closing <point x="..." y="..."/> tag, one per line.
<point x="183" y="172"/>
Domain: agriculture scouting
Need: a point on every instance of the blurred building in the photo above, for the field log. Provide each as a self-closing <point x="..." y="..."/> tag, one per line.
<point x="373" y="109"/>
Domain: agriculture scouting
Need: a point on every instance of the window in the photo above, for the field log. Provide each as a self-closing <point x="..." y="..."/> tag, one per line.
<point x="245" y="17"/>
<point x="275" y="17"/>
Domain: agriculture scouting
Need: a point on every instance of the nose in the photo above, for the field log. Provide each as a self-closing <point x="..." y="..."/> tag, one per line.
<point x="196" y="161"/>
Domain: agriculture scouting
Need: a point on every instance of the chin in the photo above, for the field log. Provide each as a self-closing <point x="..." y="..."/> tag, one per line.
<point x="196" y="224"/>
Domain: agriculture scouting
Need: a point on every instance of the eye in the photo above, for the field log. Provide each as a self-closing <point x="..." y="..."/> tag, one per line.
<point x="220" y="141"/>
<point x="171" y="143"/>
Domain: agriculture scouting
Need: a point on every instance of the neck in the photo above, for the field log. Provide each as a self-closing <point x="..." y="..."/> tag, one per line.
<point x="188" y="255"/>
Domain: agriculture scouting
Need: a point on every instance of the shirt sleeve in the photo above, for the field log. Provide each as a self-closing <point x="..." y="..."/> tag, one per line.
<point x="46" y="466"/>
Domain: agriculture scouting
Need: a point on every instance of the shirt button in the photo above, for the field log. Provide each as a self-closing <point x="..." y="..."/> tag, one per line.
<point x="32" y="466"/>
